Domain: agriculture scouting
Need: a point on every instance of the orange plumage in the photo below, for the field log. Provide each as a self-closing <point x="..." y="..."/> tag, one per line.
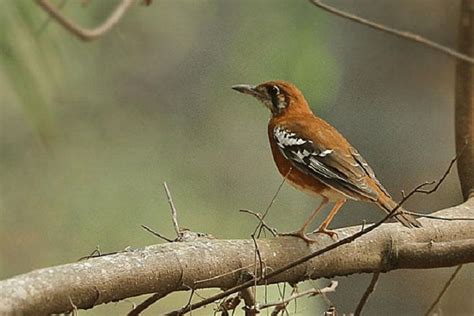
<point x="315" y="158"/>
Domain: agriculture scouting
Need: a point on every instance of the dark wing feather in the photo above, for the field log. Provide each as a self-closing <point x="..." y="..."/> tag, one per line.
<point x="365" y="165"/>
<point x="340" y="171"/>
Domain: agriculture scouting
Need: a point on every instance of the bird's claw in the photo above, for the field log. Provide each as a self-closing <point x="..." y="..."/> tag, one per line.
<point x="299" y="234"/>
<point x="330" y="233"/>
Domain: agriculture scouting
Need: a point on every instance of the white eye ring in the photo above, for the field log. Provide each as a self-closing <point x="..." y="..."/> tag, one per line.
<point x="277" y="89"/>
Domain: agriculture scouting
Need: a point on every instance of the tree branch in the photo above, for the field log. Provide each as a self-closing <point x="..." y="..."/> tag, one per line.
<point x="390" y="30"/>
<point x="82" y="33"/>
<point x="443" y="290"/>
<point x="173" y="267"/>
<point x="464" y="100"/>
<point x="370" y="289"/>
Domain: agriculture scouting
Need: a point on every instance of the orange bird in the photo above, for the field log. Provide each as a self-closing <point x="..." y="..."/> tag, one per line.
<point x="314" y="157"/>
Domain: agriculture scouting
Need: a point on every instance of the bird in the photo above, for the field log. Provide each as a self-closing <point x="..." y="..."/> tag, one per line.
<point x="316" y="158"/>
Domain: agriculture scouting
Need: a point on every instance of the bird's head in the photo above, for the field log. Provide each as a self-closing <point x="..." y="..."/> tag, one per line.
<point x="278" y="96"/>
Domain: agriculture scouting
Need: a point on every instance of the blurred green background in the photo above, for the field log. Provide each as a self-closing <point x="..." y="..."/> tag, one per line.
<point x="89" y="131"/>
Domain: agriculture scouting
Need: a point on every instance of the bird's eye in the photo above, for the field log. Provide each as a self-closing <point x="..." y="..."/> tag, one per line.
<point x="275" y="90"/>
<point x="277" y="99"/>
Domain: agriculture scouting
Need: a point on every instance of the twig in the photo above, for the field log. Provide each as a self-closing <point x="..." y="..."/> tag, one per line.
<point x="229" y="304"/>
<point x="82" y="33"/>
<point x="445" y="174"/>
<point x="260" y="265"/>
<point x="48" y="20"/>
<point x="439" y="217"/>
<point x="224" y="274"/>
<point x="174" y="213"/>
<point x="146" y="303"/>
<point x="262" y="222"/>
<point x="74" y="307"/>
<point x="319" y="252"/>
<point x="282" y="293"/>
<point x="148" y="229"/>
<point x="260" y="225"/>
<point x="443" y="290"/>
<point x="180" y="234"/>
<point x="438" y="183"/>
<point x="370" y="289"/>
<point x="258" y="256"/>
<point x="406" y="35"/>
<point x="97" y="253"/>
<point x="326" y="299"/>
<point x="311" y="292"/>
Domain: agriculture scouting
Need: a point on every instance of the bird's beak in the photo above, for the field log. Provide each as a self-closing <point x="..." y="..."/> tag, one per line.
<point x="246" y="89"/>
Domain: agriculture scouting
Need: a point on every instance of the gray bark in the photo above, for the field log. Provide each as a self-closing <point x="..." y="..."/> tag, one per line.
<point x="165" y="268"/>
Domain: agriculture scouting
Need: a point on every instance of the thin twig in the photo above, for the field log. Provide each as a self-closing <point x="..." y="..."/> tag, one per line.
<point x="445" y="174"/>
<point x="174" y="213"/>
<point x="311" y="292"/>
<point x="224" y="274"/>
<point x="229" y="304"/>
<point x="146" y="303"/>
<point x="48" y="20"/>
<point x="180" y="233"/>
<point x="97" y="253"/>
<point x="74" y="307"/>
<point x="260" y="225"/>
<point x="390" y="30"/>
<point x="442" y="218"/>
<point x="258" y="256"/>
<point x="443" y="290"/>
<point x="349" y="239"/>
<point x="326" y="299"/>
<point x="262" y="222"/>
<point x="370" y="289"/>
<point x="82" y="33"/>
<point x="148" y="229"/>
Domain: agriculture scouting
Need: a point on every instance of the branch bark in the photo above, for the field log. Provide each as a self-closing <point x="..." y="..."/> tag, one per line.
<point x="173" y="267"/>
<point x="464" y="99"/>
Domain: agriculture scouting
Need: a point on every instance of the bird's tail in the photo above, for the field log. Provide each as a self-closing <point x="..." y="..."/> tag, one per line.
<point x="406" y="219"/>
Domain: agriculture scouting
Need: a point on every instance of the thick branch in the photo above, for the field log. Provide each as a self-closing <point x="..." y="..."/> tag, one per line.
<point x="464" y="93"/>
<point x="173" y="267"/>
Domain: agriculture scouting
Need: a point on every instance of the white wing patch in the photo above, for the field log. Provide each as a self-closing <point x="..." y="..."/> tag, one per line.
<point x="326" y="165"/>
<point x="325" y="152"/>
<point x="287" y="138"/>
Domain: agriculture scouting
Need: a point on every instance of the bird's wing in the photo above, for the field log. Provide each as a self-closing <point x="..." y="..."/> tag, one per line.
<point x="340" y="168"/>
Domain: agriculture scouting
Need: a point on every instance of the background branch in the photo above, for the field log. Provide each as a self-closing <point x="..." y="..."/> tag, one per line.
<point x="464" y="100"/>
<point x="393" y="31"/>
<point x="172" y="266"/>
<point x="82" y="33"/>
<point x="370" y="289"/>
<point x="443" y="290"/>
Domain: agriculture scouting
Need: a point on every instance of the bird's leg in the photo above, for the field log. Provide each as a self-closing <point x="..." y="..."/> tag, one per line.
<point x="300" y="232"/>
<point x="324" y="225"/>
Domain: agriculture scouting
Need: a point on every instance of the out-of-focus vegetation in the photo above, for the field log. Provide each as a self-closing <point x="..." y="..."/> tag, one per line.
<point x="89" y="131"/>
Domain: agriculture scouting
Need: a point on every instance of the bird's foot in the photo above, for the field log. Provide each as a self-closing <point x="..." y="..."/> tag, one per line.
<point x="299" y="234"/>
<point x="324" y="230"/>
